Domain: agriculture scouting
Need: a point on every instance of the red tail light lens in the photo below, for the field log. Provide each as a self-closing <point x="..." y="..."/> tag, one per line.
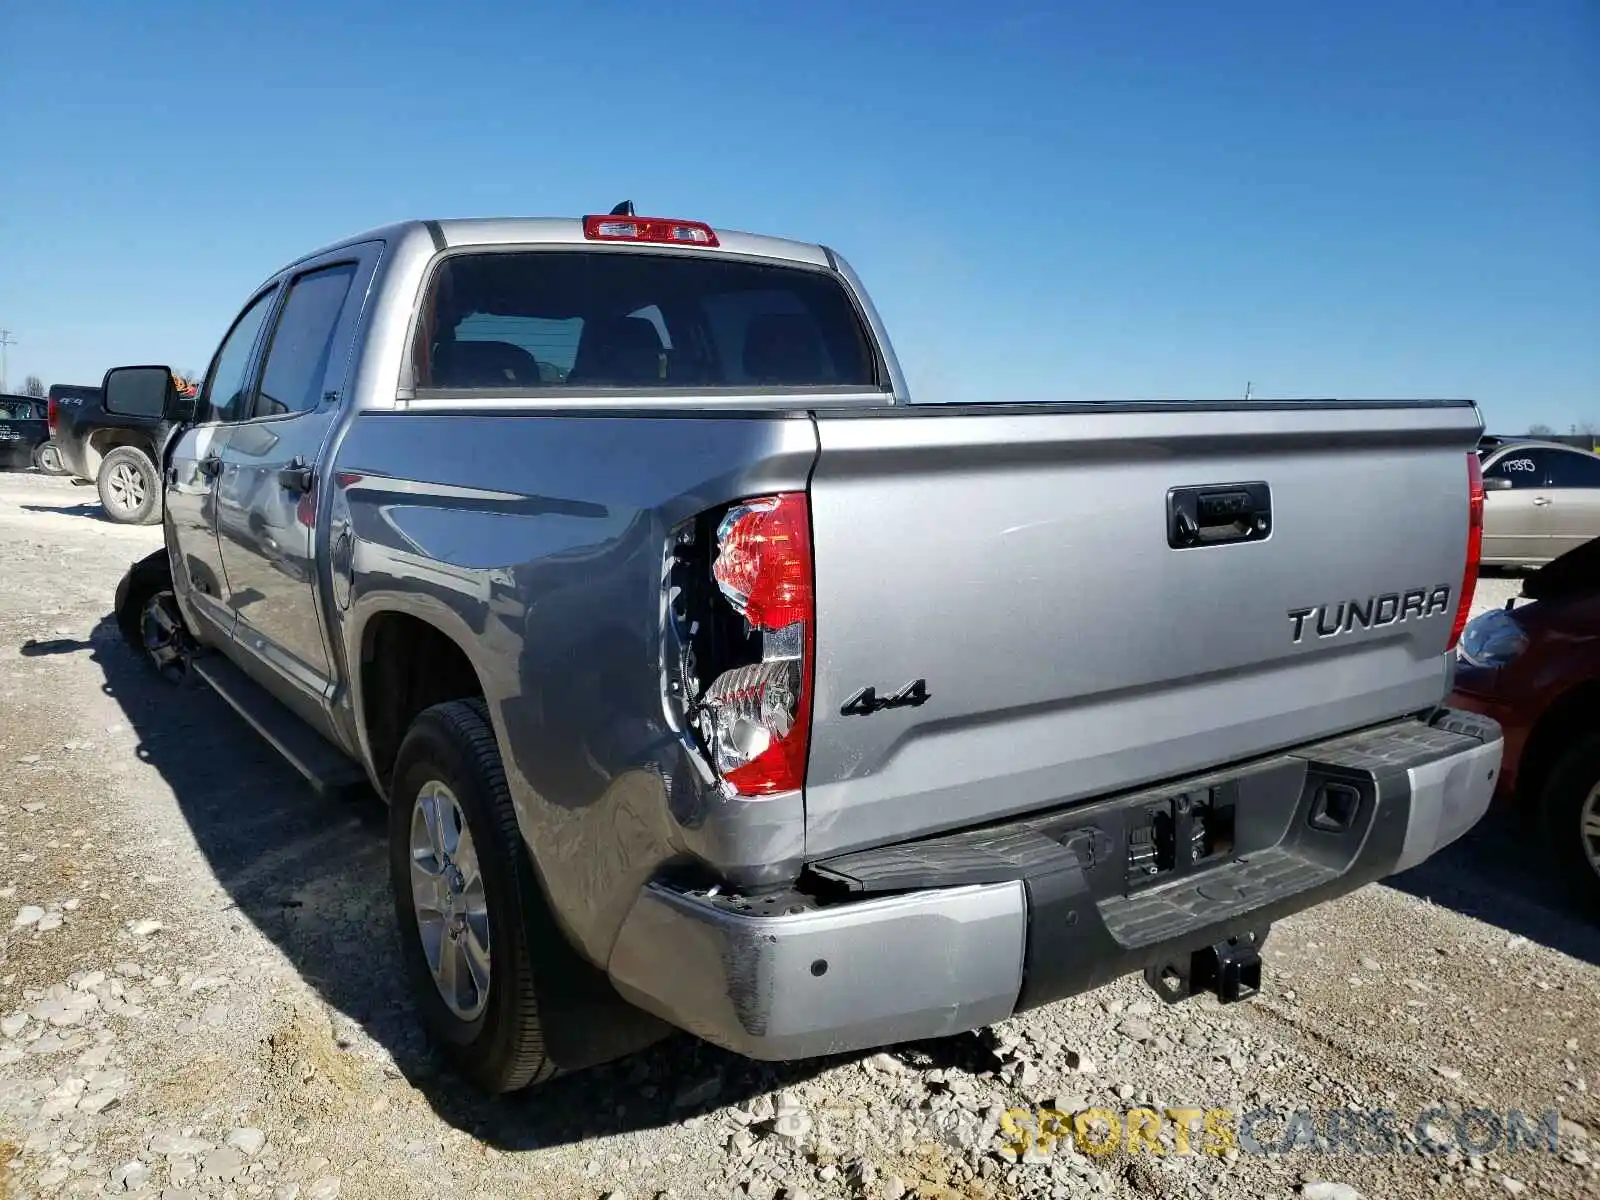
<point x="664" y="230"/>
<point x="1469" y="579"/>
<point x="763" y="563"/>
<point x="758" y="716"/>
<point x="50" y="415"/>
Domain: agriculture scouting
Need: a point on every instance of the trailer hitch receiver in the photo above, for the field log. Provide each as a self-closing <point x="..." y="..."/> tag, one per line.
<point x="1231" y="970"/>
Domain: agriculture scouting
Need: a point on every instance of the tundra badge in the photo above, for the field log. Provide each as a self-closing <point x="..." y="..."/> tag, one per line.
<point x="1372" y="613"/>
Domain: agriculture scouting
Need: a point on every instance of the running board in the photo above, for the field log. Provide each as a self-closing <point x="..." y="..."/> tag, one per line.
<point x="325" y="767"/>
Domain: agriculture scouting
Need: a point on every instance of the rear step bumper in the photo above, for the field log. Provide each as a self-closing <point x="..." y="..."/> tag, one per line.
<point x="946" y="934"/>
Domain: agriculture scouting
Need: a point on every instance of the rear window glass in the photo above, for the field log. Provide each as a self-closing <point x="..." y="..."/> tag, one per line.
<point x="598" y="319"/>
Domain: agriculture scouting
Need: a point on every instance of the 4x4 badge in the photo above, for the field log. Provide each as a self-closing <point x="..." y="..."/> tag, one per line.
<point x="867" y="701"/>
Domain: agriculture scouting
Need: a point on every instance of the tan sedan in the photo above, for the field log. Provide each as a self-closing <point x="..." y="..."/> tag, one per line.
<point x="1541" y="499"/>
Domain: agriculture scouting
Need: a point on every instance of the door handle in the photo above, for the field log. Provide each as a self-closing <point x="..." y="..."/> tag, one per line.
<point x="211" y="466"/>
<point x="296" y="477"/>
<point x="1540" y="501"/>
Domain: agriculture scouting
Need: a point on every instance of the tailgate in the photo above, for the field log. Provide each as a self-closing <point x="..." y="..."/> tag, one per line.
<point x="1020" y="563"/>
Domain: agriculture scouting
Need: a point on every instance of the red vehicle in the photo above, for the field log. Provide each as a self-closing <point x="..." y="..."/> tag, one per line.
<point x="1535" y="668"/>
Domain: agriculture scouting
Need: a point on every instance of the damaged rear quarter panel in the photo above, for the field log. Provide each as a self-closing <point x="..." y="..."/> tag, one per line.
<point x="536" y="540"/>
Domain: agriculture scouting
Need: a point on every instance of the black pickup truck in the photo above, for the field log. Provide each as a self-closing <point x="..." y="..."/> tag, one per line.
<point x="117" y="452"/>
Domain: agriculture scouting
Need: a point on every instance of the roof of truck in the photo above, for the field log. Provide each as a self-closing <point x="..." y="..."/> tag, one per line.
<point x="504" y="231"/>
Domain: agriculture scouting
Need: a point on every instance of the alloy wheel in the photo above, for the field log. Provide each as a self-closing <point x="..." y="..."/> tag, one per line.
<point x="127" y="487"/>
<point x="447" y="893"/>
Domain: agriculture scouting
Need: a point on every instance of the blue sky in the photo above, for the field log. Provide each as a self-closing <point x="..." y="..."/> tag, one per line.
<point x="1051" y="201"/>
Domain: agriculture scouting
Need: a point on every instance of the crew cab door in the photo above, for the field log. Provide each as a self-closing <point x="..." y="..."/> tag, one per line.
<point x="194" y="467"/>
<point x="267" y="528"/>
<point x="1572" y="494"/>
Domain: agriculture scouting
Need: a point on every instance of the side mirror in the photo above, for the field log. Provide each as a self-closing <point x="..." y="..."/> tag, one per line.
<point x="141" y="392"/>
<point x="1496" y="483"/>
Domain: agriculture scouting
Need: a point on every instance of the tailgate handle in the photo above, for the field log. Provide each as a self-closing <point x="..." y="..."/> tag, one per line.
<point x="1218" y="514"/>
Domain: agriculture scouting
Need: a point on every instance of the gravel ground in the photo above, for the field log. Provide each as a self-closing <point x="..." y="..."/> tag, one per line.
<point x="200" y="997"/>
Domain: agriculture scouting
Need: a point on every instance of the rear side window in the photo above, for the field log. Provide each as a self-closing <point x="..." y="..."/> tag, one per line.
<point x="513" y="320"/>
<point x="302" y="342"/>
<point x="1569" y="469"/>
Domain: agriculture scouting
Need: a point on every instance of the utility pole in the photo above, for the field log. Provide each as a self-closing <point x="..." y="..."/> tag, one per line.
<point x="5" y="340"/>
<point x="1247" y="389"/>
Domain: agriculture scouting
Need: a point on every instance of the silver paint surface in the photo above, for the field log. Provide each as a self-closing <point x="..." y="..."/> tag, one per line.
<point x="923" y="965"/>
<point x="1019" y="564"/>
<point x="1015" y="559"/>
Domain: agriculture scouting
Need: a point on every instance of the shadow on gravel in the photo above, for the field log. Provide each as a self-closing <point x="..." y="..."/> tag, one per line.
<point x="69" y="510"/>
<point x="1498" y="874"/>
<point x="33" y="648"/>
<point x="312" y="874"/>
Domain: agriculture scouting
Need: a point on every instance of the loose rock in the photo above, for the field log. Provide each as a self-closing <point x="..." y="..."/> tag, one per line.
<point x="1322" y="1190"/>
<point x="131" y="1176"/>
<point x="98" y="1102"/>
<point x="173" y="1144"/>
<point x="222" y="1166"/>
<point x="247" y="1141"/>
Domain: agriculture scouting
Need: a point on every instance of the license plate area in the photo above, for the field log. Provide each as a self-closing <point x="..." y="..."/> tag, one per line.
<point x="1177" y="835"/>
<point x="1141" y="844"/>
<point x="1163" y="836"/>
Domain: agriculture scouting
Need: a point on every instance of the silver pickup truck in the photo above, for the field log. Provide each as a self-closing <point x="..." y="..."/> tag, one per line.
<point x="713" y="684"/>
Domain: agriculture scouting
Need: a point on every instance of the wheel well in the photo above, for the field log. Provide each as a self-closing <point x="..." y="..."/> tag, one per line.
<point x="103" y="441"/>
<point x="1563" y="722"/>
<point x="407" y="665"/>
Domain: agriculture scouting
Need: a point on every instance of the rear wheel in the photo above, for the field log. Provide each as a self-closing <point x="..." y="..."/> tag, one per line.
<point x="47" y="459"/>
<point x="466" y="901"/>
<point x="1570" y="816"/>
<point x="130" y="489"/>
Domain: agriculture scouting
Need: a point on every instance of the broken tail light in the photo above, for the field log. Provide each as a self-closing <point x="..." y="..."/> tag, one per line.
<point x="1469" y="578"/>
<point x="756" y="718"/>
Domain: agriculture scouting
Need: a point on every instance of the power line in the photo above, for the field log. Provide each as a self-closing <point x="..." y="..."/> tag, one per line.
<point x="5" y="340"/>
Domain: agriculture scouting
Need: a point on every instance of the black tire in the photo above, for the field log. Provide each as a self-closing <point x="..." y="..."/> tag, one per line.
<point x="149" y="581"/>
<point x="502" y="1049"/>
<point x="151" y="574"/>
<point x="130" y="487"/>
<point x="1575" y="777"/>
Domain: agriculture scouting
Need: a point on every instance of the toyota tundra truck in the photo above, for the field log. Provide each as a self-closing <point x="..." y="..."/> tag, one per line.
<point x="713" y="683"/>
